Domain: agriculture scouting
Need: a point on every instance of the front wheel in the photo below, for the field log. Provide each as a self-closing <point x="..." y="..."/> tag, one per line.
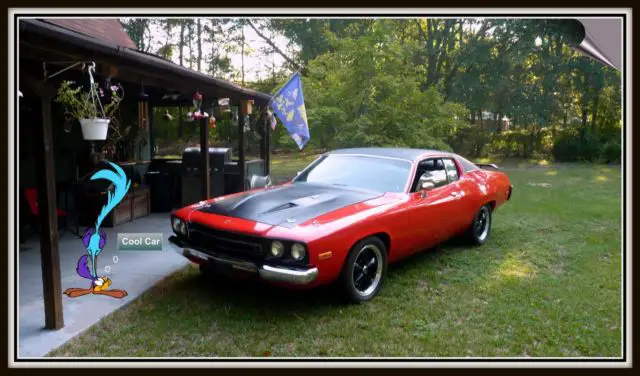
<point x="479" y="230"/>
<point x="364" y="270"/>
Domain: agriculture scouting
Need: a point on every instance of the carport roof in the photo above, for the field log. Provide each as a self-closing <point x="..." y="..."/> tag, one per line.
<point x="108" y="30"/>
<point x="127" y="55"/>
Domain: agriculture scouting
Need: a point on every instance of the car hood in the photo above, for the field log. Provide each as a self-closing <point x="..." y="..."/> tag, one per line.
<point x="288" y="205"/>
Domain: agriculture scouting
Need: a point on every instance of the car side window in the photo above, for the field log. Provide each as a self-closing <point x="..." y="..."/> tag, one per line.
<point x="452" y="169"/>
<point x="432" y="170"/>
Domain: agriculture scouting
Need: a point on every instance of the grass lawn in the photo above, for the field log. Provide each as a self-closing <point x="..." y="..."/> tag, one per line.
<point x="548" y="283"/>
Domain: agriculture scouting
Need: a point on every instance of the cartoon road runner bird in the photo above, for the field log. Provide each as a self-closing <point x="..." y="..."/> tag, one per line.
<point x="95" y="238"/>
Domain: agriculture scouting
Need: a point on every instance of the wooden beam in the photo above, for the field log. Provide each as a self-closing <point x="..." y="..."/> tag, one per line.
<point x="47" y="207"/>
<point x="204" y="154"/>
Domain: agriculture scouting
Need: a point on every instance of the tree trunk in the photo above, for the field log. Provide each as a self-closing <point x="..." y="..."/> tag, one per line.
<point x="242" y="55"/>
<point x="276" y="49"/>
<point x="594" y="114"/>
<point x="584" y="120"/>
<point x="212" y="40"/>
<point x="180" y="126"/>
<point x="190" y="40"/>
<point x="181" y="42"/>
<point x="199" y="36"/>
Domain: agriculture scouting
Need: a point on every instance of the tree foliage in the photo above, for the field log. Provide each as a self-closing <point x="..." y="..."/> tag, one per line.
<point x="437" y="83"/>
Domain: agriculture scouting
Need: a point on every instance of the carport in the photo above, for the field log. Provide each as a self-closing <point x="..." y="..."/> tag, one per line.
<point x="54" y="47"/>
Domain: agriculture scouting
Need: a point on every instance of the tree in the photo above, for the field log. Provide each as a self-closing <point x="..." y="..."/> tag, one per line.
<point x="199" y="39"/>
<point x="138" y="30"/>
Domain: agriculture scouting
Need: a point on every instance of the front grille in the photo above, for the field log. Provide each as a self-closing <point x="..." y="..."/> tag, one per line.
<point x="225" y="242"/>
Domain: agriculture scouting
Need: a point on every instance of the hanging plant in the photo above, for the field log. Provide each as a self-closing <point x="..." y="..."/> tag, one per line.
<point x="197" y="103"/>
<point x="86" y="107"/>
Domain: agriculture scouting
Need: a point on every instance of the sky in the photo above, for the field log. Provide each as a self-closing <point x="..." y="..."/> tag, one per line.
<point x="255" y="64"/>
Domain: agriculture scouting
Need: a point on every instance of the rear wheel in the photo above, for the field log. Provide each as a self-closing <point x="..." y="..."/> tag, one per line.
<point x="364" y="270"/>
<point x="479" y="230"/>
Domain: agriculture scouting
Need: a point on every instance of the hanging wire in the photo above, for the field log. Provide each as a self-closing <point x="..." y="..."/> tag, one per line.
<point x="93" y="94"/>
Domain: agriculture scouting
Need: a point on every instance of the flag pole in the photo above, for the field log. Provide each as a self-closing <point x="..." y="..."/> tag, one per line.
<point x="283" y="86"/>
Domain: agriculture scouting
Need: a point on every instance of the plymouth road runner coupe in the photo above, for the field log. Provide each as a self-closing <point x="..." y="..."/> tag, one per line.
<point x="343" y="218"/>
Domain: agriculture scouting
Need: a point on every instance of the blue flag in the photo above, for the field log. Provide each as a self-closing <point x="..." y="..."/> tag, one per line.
<point x="288" y="104"/>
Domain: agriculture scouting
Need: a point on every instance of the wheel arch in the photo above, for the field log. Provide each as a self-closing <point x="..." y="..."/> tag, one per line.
<point x="384" y="237"/>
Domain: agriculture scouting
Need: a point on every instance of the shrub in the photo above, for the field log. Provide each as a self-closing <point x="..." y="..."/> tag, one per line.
<point x="611" y="152"/>
<point x="571" y="147"/>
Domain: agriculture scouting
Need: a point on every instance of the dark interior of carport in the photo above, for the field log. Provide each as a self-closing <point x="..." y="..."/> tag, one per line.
<point x="45" y="50"/>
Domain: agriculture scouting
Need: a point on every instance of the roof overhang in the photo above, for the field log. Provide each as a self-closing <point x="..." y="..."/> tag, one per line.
<point x="142" y="60"/>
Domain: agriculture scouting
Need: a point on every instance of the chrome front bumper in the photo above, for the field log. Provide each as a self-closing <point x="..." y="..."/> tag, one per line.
<point x="266" y="272"/>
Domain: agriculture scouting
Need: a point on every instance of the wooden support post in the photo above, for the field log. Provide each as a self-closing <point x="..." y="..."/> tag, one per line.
<point x="267" y="147"/>
<point x="261" y="131"/>
<point x="152" y="131"/>
<point x="241" y="161"/>
<point x="204" y="154"/>
<point x="47" y="205"/>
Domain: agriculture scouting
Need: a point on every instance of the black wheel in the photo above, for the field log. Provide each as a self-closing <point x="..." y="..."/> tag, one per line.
<point x="479" y="230"/>
<point x="364" y="270"/>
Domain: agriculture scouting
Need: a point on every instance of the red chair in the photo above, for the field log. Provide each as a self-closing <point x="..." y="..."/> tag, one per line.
<point x="31" y="194"/>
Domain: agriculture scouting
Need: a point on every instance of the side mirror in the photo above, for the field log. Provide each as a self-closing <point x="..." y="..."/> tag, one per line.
<point x="259" y="182"/>
<point x="427" y="186"/>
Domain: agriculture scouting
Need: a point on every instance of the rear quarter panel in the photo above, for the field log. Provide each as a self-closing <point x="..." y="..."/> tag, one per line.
<point x="493" y="186"/>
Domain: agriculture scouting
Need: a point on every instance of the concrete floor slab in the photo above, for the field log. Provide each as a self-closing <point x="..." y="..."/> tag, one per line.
<point x="134" y="272"/>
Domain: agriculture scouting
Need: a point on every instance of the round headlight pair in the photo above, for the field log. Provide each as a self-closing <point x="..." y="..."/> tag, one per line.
<point x="178" y="225"/>
<point x="297" y="250"/>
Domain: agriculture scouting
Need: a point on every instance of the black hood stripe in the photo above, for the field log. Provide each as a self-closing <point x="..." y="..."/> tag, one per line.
<point x="289" y="205"/>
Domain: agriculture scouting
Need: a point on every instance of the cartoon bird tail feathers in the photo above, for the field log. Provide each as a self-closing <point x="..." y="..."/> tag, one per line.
<point x="121" y="183"/>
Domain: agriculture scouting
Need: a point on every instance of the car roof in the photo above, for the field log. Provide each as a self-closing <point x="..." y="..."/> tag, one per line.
<point x="398" y="153"/>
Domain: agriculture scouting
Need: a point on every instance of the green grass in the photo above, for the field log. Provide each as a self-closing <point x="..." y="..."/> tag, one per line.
<point x="546" y="284"/>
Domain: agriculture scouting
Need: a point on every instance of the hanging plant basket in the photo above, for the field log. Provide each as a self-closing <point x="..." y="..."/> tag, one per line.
<point x="86" y="106"/>
<point x="95" y="129"/>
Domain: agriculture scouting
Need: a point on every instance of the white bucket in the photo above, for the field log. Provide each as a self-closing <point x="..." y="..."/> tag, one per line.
<point x="95" y="129"/>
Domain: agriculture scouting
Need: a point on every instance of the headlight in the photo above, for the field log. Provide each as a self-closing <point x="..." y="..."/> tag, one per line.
<point x="178" y="225"/>
<point x="277" y="248"/>
<point x="298" y="251"/>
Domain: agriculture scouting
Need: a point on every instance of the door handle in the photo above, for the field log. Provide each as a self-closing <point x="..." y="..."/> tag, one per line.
<point x="454" y="194"/>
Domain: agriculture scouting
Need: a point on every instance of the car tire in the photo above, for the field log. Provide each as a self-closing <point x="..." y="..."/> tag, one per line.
<point x="480" y="228"/>
<point x="364" y="270"/>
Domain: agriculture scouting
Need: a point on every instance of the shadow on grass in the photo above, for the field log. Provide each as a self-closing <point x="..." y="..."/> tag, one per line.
<point x="256" y="295"/>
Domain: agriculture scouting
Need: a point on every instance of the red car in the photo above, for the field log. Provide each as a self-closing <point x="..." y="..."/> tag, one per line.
<point x="343" y="218"/>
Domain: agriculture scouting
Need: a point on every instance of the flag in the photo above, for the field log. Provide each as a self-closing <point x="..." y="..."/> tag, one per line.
<point x="288" y="104"/>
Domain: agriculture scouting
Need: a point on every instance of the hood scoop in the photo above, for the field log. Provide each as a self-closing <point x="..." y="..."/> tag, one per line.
<point x="286" y="206"/>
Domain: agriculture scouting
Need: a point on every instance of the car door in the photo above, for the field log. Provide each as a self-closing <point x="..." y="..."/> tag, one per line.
<point x="458" y="196"/>
<point x="431" y="213"/>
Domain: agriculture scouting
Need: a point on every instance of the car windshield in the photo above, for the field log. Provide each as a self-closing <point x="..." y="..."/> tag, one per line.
<point x="377" y="174"/>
